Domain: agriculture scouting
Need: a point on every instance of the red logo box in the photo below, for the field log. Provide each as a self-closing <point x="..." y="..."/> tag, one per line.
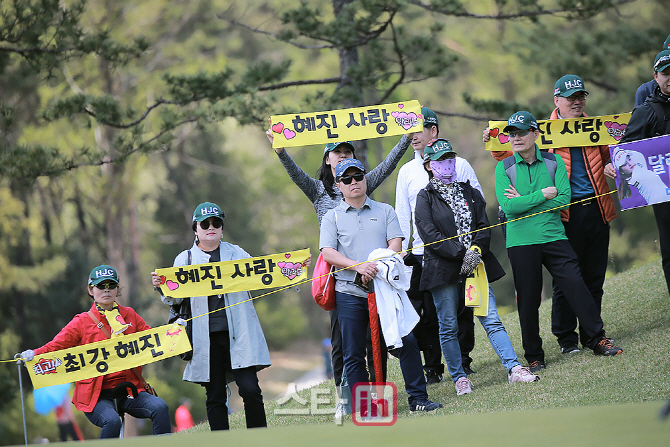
<point x="375" y="404"/>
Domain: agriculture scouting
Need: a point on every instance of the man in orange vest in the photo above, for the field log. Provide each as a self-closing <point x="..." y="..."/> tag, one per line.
<point x="587" y="222"/>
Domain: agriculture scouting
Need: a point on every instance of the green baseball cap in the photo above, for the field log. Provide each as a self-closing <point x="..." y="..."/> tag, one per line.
<point x="666" y="44"/>
<point x="429" y="116"/>
<point x="662" y="61"/>
<point x="102" y="273"/>
<point x="436" y="149"/>
<point x="569" y="85"/>
<point x="331" y="146"/>
<point x="206" y="210"/>
<point x="521" y="120"/>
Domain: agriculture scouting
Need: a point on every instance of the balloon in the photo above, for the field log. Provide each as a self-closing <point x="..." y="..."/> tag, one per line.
<point x="49" y="397"/>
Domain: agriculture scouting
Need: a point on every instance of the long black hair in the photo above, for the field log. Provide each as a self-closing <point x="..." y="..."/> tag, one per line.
<point x="325" y="174"/>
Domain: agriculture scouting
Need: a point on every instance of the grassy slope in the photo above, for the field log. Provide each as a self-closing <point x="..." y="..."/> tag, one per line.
<point x="577" y="401"/>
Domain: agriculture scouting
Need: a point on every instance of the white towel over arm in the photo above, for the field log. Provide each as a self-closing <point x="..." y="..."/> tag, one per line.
<point x="396" y="313"/>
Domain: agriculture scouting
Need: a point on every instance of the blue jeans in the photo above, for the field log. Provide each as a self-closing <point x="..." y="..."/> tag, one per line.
<point x="446" y="302"/>
<point x="354" y="320"/>
<point x="145" y="405"/>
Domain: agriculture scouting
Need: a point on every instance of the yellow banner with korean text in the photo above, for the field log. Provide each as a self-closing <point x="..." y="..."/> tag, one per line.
<point x="108" y="356"/>
<point x="574" y="132"/>
<point x="360" y="123"/>
<point x="215" y="278"/>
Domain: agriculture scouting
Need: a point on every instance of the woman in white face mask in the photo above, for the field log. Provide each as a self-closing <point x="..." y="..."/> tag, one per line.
<point x="451" y="217"/>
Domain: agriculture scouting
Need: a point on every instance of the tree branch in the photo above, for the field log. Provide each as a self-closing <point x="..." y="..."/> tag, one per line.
<point x="294" y="83"/>
<point x="401" y="62"/>
<point x="517" y="15"/>
<point x="276" y="36"/>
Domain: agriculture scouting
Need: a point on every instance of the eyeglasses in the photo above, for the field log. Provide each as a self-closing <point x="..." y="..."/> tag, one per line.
<point x="348" y="178"/>
<point x="518" y="133"/>
<point x="107" y="285"/>
<point x="576" y="97"/>
<point x="216" y="223"/>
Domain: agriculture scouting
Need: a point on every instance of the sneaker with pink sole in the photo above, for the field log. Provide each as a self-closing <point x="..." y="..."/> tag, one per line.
<point x="463" y="386"/>
<point x="521" y="374"/>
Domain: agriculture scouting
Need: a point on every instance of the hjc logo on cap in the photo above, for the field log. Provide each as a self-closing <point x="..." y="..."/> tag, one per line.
<point x="104" y="272"/>
<point x="515" y="119"/>
<point x="439" y="145"/>
<point x="574" y="83"/>
<point x="209" y="210"/>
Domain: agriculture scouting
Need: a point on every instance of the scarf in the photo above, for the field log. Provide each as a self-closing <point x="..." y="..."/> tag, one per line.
<point x="452" y="193"/>
<point x="114" y="318"/>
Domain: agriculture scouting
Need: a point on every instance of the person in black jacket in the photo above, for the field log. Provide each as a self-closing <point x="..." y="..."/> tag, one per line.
<point x="447" y="213"/>
<point x="652" y="119"/>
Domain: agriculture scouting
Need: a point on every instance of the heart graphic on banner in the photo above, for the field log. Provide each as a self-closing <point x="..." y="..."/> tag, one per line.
<point x="287" y="255"/>
<point x="290" y="269"/>
<point x="615" y="130"/>
<point x="400" y="106"/>
<point x="494" y="132"/>
<point x="162" y="279"/>
<point x="277" y="128"/>
<point x="289" y="134"/>
<point x="503" y="138"/>
<point x="172" y="285"/>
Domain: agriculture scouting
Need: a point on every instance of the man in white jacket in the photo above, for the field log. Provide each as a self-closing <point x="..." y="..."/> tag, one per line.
<point x="412" y="178"/>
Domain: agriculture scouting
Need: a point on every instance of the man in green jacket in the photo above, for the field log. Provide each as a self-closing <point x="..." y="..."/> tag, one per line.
<point x="533" y="186"/>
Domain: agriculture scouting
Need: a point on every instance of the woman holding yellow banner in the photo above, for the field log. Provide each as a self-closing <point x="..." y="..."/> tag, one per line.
<point x="96" y="396"/>
<point x="227" y="338"/>
<point x="324" y="195"/>
<point x="448" y="215"/>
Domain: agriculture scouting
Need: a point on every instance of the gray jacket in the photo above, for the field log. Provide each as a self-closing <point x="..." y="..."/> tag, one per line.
<point x="247" y="342"/>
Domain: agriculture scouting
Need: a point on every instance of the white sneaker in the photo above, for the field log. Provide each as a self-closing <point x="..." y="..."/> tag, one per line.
<point x="340" y="410"/>
<point x="522" y="374"/>
<point x="463" y="386"/>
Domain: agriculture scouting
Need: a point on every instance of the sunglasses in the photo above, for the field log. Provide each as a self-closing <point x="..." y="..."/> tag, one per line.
<point x="216" y="223"/>
<point x="576" y="97"/>
<point x="348" y="178"/>
<point x="107" y="285"/>
<point x="518" y="133"/>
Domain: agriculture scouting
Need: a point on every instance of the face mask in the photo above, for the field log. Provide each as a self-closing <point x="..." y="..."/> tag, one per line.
<point x="444" y="170"/>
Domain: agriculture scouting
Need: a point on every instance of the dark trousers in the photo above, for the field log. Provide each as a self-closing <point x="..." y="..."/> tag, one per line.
<point x="561" y="261"/>
<point x="66" y="429"/>
<point x="427" y="330"/>
<point x="337" y="357"/>
<point x="662" y="215"/>
<point x="217" y="395"/>
<point x="589" y="237"/>
<point x="354" y="323"/>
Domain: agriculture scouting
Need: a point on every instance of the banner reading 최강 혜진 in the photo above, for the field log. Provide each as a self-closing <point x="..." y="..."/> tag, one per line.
<point x="642" y="171"/>
<point x="360" y="123"/>
<point x="215" y="278"/>
<point x="107" y="356"/>
<point x="573" y="132"/>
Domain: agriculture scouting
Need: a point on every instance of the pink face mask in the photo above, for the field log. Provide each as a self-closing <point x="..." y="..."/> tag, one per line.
<point x="444" y="170"/>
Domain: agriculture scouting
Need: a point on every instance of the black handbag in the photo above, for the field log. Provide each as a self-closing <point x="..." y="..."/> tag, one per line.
<point x="183" y="310"/>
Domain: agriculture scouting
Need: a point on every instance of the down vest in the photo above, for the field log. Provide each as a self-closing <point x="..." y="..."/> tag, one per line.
<point x="595" y="157"/>
<point x="435" y="222"/>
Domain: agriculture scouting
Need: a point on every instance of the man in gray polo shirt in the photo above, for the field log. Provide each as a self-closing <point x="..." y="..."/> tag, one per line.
<point x="349" y="233"/>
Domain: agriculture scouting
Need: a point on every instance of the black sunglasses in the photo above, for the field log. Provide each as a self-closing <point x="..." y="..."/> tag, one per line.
<point x="348" y="178"/>
<point x="107" y="285"/>
<point x="518" y="133"/>
<point x="216" y="223"/>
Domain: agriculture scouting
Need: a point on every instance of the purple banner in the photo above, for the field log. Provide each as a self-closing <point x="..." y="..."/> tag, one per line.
<point x="642" y="171"/>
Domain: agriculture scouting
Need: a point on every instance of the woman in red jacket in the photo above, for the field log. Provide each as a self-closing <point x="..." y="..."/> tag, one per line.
<point x="95" y="397"/>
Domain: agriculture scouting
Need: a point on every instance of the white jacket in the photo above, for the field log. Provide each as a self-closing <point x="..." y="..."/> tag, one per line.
<point x="396" y="313"/>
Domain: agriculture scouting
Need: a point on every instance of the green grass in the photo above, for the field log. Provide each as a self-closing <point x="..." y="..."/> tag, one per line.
<point x="580" y="400"/>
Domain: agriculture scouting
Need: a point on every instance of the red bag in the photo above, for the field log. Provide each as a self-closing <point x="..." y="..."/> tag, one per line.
<point x="323" y="284"/>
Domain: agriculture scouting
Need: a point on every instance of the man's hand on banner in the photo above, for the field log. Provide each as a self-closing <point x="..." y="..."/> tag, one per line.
<point x="180" y="322"/>
<point x="28" y="355"/>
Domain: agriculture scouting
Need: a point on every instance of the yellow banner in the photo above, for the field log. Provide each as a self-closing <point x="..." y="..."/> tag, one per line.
<point x="108" y="356"/>
<point x="359" y="123"/>
<point x="574" y="132"/>
<point x="215" y="278"/>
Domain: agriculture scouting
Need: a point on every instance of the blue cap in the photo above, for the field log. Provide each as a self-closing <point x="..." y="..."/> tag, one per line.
<point x="331" y="146"/>
<point x="346" y="164"/>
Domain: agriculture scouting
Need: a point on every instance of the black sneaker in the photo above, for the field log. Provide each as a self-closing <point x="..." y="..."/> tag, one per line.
<point x="468" y="371"/>
<point x="423" y="406"/>
<point x="569" y="349"/>
<point x="606" y="347"/>
<point x="536" y="366"/>
<point x="433" y="377"/>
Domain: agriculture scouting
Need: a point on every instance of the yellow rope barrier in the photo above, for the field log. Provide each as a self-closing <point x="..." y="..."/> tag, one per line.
<point x="374" y="260"/>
